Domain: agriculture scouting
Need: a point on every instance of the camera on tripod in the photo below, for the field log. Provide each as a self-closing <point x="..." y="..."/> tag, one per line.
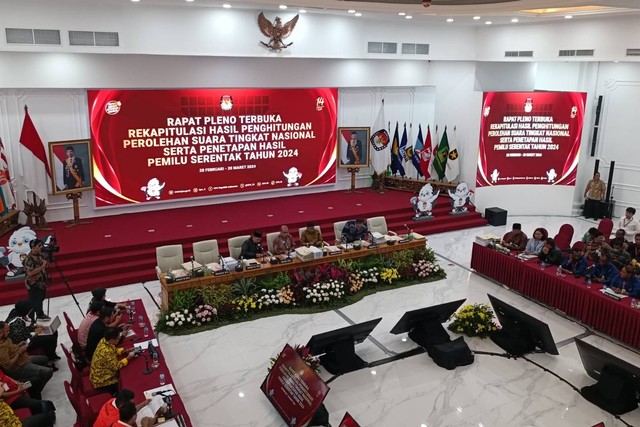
<point x="49" y="247"/>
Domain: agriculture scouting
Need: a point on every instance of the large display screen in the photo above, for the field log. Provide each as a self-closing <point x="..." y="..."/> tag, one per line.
<point x="156" y="145"/>
<point x="530" y="138"/>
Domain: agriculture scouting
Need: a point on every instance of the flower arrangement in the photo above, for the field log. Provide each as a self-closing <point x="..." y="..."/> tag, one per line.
<point x="202" y="314"/>
<point x="303" y="288"/>
<point x="324" y="291"/>
<point x="474" y="320"/>
<point x="389" y="275"/>
<point x="305" y="353"/>
<point x="247" y="303"/>
<point x="425" y="268"/>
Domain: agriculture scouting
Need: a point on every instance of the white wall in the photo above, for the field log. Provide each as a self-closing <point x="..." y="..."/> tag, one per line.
<point x="176" y="47"/>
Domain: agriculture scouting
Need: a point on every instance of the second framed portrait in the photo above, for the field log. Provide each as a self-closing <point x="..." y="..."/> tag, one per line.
<point x="353" y="147"/>
<point x="70" y="163"/>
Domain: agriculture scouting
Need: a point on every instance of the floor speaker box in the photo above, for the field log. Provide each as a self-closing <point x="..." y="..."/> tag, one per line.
<point x="496" y="216"/>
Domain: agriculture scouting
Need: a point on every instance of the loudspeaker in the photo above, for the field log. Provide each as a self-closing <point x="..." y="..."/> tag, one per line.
<point x="452" y="354"/>
<point x="614" y="392"/>
<point x="496" y="216"/>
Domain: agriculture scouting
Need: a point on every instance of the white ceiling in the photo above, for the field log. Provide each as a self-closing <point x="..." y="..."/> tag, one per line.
<point x="498" y="13"/>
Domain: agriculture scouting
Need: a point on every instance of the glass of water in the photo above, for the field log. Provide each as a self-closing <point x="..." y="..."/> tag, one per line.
<point x="145" y="330"/>
<point x="155" y="363"/>
<point x="163" y="380"/>
<point x="141" y="321"/>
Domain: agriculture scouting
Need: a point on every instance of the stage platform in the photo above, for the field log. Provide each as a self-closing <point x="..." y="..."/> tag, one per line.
<point x="120" y="249"/>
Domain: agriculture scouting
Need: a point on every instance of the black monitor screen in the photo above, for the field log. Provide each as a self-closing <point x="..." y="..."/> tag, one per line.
<point x="539" y="330"/>
<point x="321" y="343"/>
<point x="594" y="360"/>
<point x="441" y="313"/>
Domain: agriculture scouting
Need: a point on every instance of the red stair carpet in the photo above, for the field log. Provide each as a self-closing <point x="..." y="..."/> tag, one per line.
<point x="120" y="249"/>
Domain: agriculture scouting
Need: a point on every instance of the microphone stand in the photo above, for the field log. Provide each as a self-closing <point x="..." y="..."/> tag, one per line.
<point x="147" y="370"/>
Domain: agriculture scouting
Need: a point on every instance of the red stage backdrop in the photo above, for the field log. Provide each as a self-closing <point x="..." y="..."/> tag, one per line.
<point x="293" y="388"/>
<point x="530" y="138"/>
<point x="151" y="145"/>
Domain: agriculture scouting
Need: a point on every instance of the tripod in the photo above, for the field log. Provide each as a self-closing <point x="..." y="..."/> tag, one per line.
<point x="53" y="262"/>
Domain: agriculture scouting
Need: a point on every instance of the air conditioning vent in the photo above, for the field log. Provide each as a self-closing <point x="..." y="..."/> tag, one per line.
<point x="415" y="49"/>
<point x="107" y="39"/>
<point x="30" y="36"/>
<point x="518" y="54"/>
<point x="585" y="52"/>
<point x="90" y="38"/>
<point x="566" y="53"/>
<point x="633" y="52"/>
<point x="382" y="47"/>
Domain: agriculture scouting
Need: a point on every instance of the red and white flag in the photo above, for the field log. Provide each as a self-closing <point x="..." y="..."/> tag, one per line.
<point x="35" y="167"/>
<point x="8" y="195"/>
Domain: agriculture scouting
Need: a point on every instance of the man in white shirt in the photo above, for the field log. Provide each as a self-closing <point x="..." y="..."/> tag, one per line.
<point x="629" y="224"/>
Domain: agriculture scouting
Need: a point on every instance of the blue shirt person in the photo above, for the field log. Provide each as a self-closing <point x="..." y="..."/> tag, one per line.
<point x="627" y="283"/>
<point x="604" y="272"/>
<point x="576" y="264"/>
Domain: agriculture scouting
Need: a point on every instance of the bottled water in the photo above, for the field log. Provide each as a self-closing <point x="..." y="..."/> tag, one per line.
<point x="559" y="271"/>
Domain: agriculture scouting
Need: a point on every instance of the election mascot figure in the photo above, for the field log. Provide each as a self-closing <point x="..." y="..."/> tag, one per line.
<point x="424" y="203"/>
<point x="460" y="198"/>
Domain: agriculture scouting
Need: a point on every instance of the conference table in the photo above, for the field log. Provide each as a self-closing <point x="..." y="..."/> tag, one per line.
<point x="132" y="376"/>
<point x="265" y="268"/>
<point x="566" y="293"/>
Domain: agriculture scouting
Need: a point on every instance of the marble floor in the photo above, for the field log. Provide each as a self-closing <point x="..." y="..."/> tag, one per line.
<point x="218" y="372"/>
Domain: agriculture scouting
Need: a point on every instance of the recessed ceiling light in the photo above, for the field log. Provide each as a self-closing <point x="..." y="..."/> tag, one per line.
<point x="302" y="11"/>
<point x="351" y="11"/>
<point x="226" y="6"/>
<point x="189" y="1"/>
<point x="135" y="1"/>
<point x="450" y="20"/>
<point x="358" y="14"/>
<point x="514" y="20"/>
<point x="408" y="17"/>
<point x="488" y="23"/>
<point x="401" y="13"/>
<point x="283" y="6"/>
<point x="568" y="17"/>
<point x="475" y="18"/>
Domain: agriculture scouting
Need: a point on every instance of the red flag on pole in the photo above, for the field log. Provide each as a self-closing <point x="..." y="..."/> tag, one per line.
<point x="34" y="158"/>
<point x="5" y="180"/>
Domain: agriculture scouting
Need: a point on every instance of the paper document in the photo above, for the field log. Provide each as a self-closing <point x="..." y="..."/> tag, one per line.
<point x="610" y="291"/>
<point x="151" y="409"/>
<point x="144" y="344"/>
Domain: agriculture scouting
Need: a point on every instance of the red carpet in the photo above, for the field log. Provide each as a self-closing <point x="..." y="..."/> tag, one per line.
<point x="120" y="249"/>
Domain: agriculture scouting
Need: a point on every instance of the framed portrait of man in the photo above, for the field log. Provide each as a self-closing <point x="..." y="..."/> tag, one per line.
<point x="70" y="163"/>
<point x="353" y="147"/>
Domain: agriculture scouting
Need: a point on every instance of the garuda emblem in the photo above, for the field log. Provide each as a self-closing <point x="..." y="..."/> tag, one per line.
<point x="276" y="31"/>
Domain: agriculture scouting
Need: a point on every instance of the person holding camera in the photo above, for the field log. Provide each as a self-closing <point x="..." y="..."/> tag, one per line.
<point x="105" y="366"/>
<point x="36" y="278"/>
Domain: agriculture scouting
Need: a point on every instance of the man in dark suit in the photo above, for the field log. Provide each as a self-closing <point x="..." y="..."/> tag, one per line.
<point x="354" y="150"/>
<point x="73" y="170"/>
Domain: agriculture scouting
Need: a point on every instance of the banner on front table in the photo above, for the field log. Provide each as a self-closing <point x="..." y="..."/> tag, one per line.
<point x="156" y="145"/>
<point x="293" y="388"/>
<point x="530" y="138"/>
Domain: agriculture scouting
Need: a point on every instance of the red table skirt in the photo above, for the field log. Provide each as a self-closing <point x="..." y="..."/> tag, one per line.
<point x="566" y="293"/>
<point x="132" y="376"/>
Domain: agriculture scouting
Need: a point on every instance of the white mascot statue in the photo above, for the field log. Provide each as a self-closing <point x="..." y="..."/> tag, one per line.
<point x="292" y="177"/>
<point x="424" y="202"/>
<point x="459" y="198"/>
<point x="153" y="188"/>
<point x="18" y="249"/>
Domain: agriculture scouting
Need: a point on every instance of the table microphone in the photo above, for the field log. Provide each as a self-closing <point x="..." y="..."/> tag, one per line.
<point x="147" y="370"/>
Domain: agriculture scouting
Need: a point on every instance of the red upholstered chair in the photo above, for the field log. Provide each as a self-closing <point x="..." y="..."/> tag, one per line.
<point x="605" y="226"/>
<point x="22" y="413"/>
<point x="79" y="380"/>
<point x="87" y="408"/>
<point x="68" y="320"/>
<point x="567" y="230"/>
<point x="563" y="242"/>
<point x="579" y="245"/>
